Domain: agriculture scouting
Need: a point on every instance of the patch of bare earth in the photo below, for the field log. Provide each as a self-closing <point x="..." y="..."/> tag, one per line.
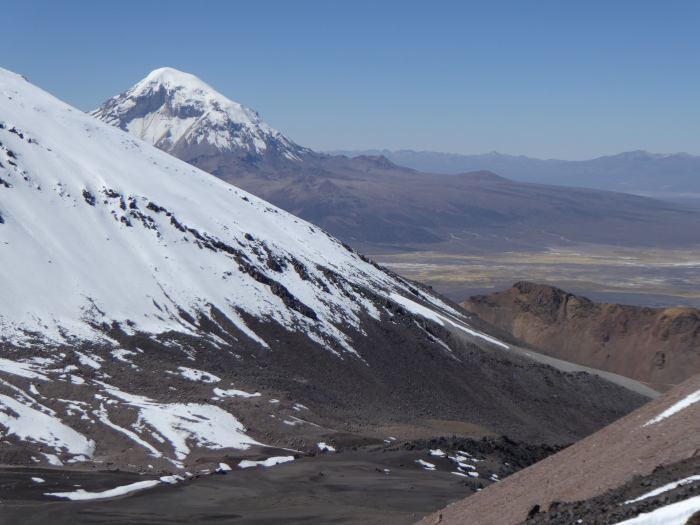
<point x="591" y="467"/>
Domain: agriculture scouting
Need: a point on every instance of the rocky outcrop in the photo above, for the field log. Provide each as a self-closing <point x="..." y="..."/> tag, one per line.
<point x="656" y="345"/>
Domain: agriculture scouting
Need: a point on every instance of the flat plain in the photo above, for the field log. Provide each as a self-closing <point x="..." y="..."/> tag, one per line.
<point x="642" y="277"/>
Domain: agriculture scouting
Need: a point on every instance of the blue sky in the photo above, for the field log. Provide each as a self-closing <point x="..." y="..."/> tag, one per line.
<point x="547" y="79"/>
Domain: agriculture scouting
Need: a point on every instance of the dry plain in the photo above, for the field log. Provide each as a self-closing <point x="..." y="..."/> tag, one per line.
<point x="642" y="277"/>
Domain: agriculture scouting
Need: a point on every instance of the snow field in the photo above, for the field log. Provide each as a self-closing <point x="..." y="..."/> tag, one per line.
<point x="675" y="514"/>
<point x="83" y="495"/>
<point x="29" y="424"/>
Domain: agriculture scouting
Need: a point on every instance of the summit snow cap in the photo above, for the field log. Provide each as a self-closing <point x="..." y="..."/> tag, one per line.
<point x="182" y="115"/>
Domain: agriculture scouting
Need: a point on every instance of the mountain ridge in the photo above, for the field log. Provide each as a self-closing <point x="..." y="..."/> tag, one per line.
<point x="372" y="203"/>
<point x="154" y="316"/>
<point x="665" y="176"/>
<point x="653" y="345"/>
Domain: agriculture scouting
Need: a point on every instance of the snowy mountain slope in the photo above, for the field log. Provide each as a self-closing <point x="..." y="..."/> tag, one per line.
<point x="180" y="237"/>
<point x="180" y="114"/>
<point x="151" y="314"/>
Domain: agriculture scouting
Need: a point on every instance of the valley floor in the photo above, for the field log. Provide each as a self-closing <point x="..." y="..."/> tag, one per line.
<point x="390" y="484"/>
<point x="654" y="278"/>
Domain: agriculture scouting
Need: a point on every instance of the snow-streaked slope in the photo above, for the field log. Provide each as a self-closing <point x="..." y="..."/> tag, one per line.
<point x="102" y="234"/>
<point x="99" y="227"/>
<point x="149" y="312"/>
<point x="182" y="115"/>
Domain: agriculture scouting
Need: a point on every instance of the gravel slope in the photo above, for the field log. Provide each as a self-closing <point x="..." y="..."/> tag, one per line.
<point x="603" y="461"/>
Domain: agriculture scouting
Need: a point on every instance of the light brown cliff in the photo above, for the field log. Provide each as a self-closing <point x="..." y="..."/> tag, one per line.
<point x="654" y="345"/>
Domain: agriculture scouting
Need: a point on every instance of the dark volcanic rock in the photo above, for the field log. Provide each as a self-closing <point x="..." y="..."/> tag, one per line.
<point x="613" y="506"/>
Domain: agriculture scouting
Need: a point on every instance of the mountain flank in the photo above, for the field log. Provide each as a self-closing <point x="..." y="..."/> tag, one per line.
<point x="598" y="478"/>
<point x="653" y="345"/>
<point x="157" y="319"/>
<point x="369" y="202"/>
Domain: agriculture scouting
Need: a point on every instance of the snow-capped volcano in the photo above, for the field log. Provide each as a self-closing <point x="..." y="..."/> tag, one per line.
<point x="108" y="229"/>
<point x="144" y="302"/>
<point x="183" y="116"/>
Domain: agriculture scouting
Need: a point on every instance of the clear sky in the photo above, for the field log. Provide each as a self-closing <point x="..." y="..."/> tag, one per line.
<point x="548" y="79"/>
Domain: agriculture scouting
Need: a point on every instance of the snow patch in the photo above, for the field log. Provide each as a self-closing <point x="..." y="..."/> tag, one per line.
<point x="269" y="462"/>
<point x="234" y="393"/>
<point x="21" y="369"/>
<point x="198" y="375"/>
<point x="182" y="424"/>
<point x="665" y="488"/>
<point x="675" y="514"/>
<point x="83" y="495"/>
<point x="32" y="425"/>
<point x="680" y="405"/>
<point x="425" y="464"/>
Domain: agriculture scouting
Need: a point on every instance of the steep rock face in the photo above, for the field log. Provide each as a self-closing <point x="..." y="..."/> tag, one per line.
<point x="654" y="345"/>
<point x="152" y="314"/>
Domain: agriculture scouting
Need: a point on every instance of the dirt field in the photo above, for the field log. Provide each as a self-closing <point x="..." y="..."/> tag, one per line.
<point x="380" y="484"/>
<point x="654" y="278"/>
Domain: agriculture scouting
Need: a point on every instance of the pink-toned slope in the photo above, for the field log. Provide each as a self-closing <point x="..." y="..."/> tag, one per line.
<point x="605" y="460"/>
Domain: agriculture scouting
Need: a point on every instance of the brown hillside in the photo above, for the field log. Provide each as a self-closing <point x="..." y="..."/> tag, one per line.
<point x="654" y="345"/>
<point x="629" y="447"/>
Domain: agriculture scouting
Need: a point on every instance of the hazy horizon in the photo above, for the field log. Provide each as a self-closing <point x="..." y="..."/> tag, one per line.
<point x="545" y="79"/>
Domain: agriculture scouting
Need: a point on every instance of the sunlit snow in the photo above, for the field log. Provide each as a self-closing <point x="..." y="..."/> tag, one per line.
<point x="674" y="514"/>
<point x="664" y="488"/>
<point x="83" y="495"/>
<point x="30" y="424"/>
<point x="269" y="462"/>
<point x="683" y="403"/>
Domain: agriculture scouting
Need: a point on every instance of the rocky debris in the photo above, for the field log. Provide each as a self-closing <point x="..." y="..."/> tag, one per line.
<point x="368" y="484"/>
<point x="618" y="504"/>
<point x="654" y="345"/>
<point x="655" y="444"/>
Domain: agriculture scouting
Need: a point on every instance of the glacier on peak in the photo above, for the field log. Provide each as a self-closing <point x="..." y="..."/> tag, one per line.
<point x="182" y="115"/>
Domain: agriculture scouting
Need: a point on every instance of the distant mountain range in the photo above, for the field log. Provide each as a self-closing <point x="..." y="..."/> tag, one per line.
<point x="674" y="177"/>
<point x="372" y="203"/>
